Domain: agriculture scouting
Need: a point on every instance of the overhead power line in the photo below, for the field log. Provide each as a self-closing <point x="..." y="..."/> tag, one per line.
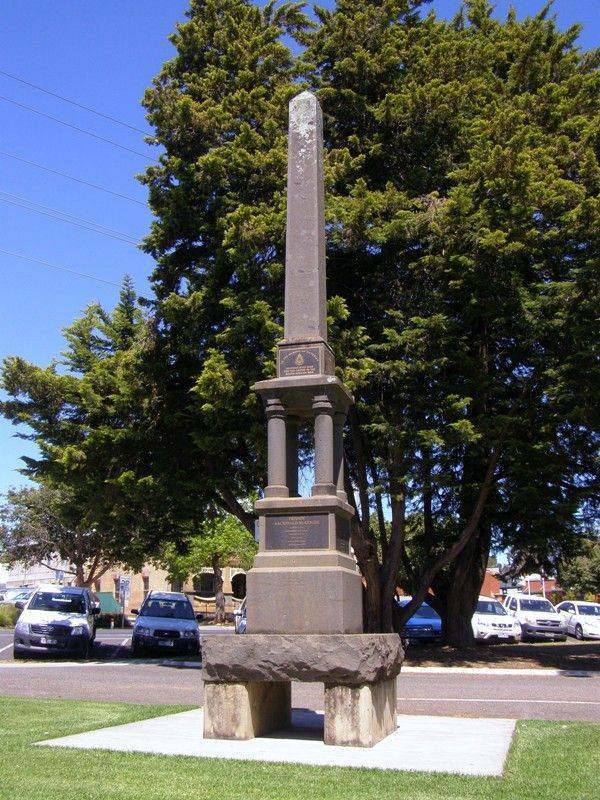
<point x="64" y="216"/>
<point x="72" y="178"/>
<point x="76" y="128"/>
<point x="57" y="266"/>
<point x="74" y="103"/>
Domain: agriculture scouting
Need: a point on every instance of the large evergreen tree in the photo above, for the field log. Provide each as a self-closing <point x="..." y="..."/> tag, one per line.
<point x="462" y="181"/>
<point x="462" y="171"/>
<point x="91" y="415"/>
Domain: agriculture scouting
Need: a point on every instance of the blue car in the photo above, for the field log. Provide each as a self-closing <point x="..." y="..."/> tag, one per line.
<point x="425" y="625"/>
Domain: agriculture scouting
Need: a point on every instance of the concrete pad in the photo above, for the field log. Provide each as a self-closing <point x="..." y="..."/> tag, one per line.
<point x="422" y="744"/>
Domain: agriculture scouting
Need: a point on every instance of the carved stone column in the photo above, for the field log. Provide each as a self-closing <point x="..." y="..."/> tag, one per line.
<point x="338" y="453"/>
<point x="276" y="449"/>
<point x="292" y="425"/>
<point x="324" y="459"/>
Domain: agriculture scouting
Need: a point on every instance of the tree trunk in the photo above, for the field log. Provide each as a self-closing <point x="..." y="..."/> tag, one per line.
<point x="365" y="551"/>
<point x="467" y="576"/>
<point x="468" y="568"/>
<point x="79" y="575"/>
<point x="219" y="596"/>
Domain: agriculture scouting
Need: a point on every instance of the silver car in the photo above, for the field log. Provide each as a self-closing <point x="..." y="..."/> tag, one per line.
<point x="166" y="622"/>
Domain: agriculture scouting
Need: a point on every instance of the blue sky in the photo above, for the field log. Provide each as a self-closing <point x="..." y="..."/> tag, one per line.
<point x="102" y="53"/>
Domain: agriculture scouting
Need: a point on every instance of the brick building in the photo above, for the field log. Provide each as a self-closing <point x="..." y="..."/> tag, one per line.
<point x="200" y="588"/>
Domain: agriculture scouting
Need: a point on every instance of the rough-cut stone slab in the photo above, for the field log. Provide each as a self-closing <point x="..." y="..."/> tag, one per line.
<point x="333" y="659"/>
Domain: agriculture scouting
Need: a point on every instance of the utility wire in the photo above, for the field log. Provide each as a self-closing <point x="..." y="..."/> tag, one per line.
<point x="74" y="103"/>
<point x="75" y="128"/>
<point x="66" y="214"/>
<point x="56" y="266"/>
<point x="61" y="216"/>
<point x="72" y="178"/>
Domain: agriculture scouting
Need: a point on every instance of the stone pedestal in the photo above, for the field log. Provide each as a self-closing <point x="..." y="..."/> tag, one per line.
<point x="247" y="684"/>
<point x="360" y="716"/>
<point x="246" y="710"/>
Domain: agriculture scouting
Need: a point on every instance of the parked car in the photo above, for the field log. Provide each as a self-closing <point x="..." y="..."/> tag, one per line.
<point x="538" y="617"/>
<point x="166" y="621"/>
<point x="56" y="619"/>
<point x="13" y="596"/>
<point x="581" y="617"/>
<point x="425" y="625"/>
<point x="491" y="621"/>
<point x="240" y="617"/>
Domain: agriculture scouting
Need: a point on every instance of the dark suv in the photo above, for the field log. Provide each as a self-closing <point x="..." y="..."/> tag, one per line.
<point x="166" y="622"/>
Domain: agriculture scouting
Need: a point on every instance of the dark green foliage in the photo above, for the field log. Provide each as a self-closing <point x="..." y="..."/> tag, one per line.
<point x="90" y="415"/>
<point x="462" y="204"/>
<point x="580" y="574"/>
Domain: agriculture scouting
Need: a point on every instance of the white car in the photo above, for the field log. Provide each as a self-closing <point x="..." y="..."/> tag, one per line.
<point x="490" y="622"/>
<point x="537" y="617"/>
<point x="58" y="620"/>
<point x="582" y="618"/>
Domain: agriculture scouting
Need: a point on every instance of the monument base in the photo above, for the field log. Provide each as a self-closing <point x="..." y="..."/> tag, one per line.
<point x="247" y="683"/>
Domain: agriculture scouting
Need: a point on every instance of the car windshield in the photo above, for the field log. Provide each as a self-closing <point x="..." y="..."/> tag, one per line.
<point x="425" y="611"/>
<point x="490" y="607"/>
<point x="589" y="611"/>
<point x="58" y="601"/>
<point x="528" y="604"/>
<point x="171" y="609"/>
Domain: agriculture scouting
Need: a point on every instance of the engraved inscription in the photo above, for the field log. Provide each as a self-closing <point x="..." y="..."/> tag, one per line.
<point x="297" y="532"/>
<point x="301" y="361"/>
<point x="342" y="534"/>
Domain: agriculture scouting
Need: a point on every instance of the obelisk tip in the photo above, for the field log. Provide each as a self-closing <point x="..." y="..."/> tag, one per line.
<point x="305" y="100"/>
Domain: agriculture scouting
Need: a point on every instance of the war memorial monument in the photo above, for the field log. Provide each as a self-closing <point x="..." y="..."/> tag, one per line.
<point x="304" y="601"/>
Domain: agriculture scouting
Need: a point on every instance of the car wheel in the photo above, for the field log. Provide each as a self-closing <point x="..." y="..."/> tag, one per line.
<point x="85" y="650"/>
<point x="136" y="651"/>
<point x="579" y="632"/>
<point x="18" y="655"/>
<point x="561" y="638"/>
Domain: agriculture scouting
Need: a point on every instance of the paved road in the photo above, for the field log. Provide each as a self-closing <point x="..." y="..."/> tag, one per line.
<point x="559" y="697"/>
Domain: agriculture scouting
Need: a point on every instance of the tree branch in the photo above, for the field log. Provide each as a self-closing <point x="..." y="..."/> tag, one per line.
<point x="229" y="502"/>
<point x="467" y="534"/>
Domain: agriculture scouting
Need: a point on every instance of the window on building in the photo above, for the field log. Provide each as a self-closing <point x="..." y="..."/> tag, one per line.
<point x="116" y="587"/>
<point x="146" y="582"/>
<point x="204" y="584"/>
<point x="238" y="585"/>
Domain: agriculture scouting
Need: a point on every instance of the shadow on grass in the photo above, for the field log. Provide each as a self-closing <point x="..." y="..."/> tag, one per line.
<point x="566" y="656"/>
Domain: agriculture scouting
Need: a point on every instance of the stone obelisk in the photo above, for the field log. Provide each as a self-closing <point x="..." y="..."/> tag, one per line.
<point x="304" y="596"/>
<point x="304" y="579"/>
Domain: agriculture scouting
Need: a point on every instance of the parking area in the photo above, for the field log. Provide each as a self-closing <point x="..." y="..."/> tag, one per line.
<point x="111" y="644"/>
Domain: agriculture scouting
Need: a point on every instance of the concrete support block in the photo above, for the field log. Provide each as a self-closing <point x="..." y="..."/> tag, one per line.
<point x="246" y="710"/>
<point x="360" y="716"/>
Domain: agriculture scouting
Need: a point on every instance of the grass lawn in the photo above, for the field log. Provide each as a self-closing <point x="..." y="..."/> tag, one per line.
<point x="548" y="761"/>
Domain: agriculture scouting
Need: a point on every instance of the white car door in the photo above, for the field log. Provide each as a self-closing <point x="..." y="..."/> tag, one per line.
<point x="567" y="611"/>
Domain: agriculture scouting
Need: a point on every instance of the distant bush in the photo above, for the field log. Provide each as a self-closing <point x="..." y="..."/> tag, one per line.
<point x="8" y="616"/>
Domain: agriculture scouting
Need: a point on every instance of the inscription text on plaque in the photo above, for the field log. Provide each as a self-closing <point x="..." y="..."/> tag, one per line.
<point x="296" y="532"/>
<point x="300" y="361"/>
